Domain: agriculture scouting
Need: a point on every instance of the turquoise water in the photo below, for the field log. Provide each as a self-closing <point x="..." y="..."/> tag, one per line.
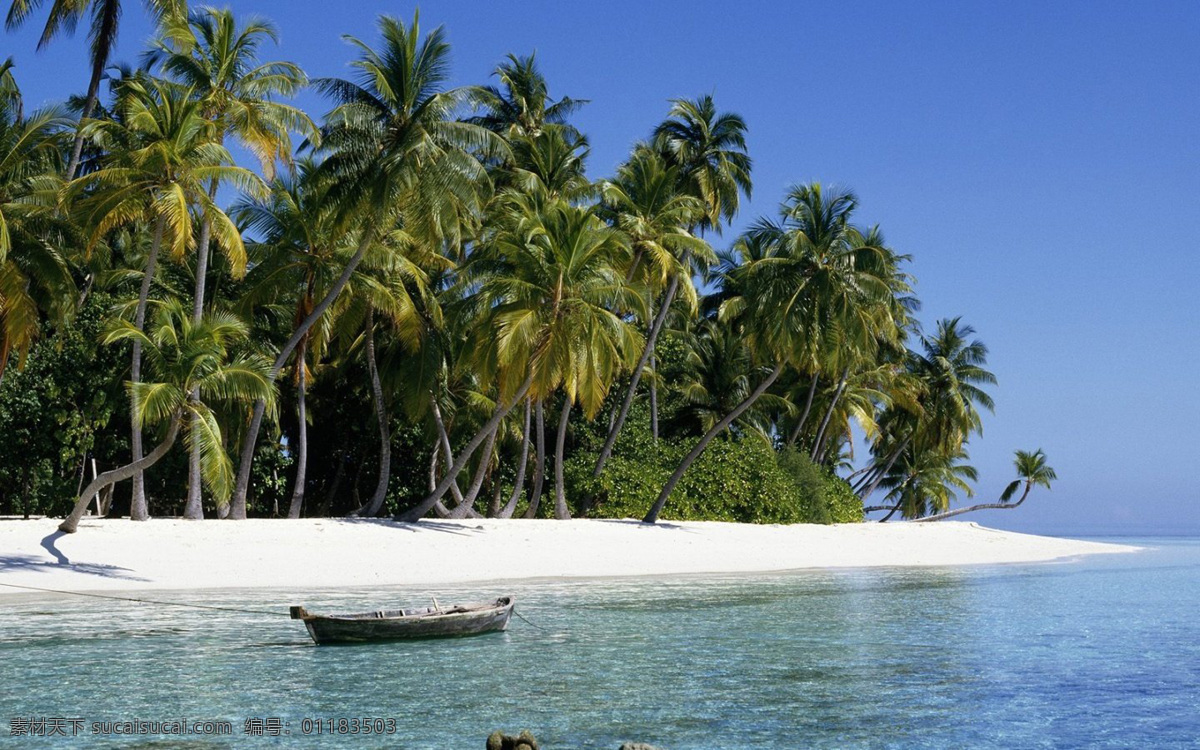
<point x="1102" y="652"/>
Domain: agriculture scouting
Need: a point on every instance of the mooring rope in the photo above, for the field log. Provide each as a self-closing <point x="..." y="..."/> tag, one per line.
<point x="149" y="601"/>
<point x="527" y="622"/>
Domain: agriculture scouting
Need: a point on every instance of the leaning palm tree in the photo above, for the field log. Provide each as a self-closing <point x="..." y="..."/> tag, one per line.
<point x="218" y="62"/>
<point x="159" y="160"/>
<point x="797" y="299"/>
<point x="297" y="259"/>
<point x="708" y="148"/>
<point x="191" y="368"/>
<point x="840" y="284"/>
<point x="34" y="274"/>
<point x="645" y="202"/>
<point x="548" y="286"/>
<point x="926" y="481"/>
<point x="64" y="15"/>
<point x="392" y="288"/>
<point x="719" y="374"/>
<point x="951" y="375"/>
<point x="395" y="157"/>
<point x="1031" y="470"/>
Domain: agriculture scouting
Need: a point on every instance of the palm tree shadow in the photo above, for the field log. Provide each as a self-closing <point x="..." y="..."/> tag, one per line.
<point x="643" y="525"/>
<point x="48" y="545"/>
<point x="14" y="563"/>
<point x="461" y="529"/>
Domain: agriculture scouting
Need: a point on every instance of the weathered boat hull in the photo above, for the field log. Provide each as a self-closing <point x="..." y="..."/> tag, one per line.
<point x="427" y="622"/>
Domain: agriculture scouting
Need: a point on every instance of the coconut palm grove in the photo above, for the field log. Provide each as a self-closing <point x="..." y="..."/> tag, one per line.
<point x="420" y="303"/>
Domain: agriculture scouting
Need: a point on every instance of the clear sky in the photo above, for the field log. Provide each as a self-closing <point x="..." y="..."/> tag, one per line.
<point x="1040" y="161"/>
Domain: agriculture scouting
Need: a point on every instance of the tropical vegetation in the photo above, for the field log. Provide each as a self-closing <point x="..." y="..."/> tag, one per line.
<point x="380" y="310"/>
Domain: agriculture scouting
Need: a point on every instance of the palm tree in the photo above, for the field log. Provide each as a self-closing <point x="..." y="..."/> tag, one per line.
<point x="926" y="481"/>
<point x="394" y="285"/>
<point x="159" y="161"/>
<point x="395" y="156"/>
<point x="10" y="92"/>
<point x="521" y="106"/>
<point x="812" y="289"/>
<point x="710" y="150"/>
<point x="548" y="285"/>
<point x="645" y="203"/>
<point x="840" y="283"/>
<point x="64" y="15"/>
<point x="190" y="368"/>
<point x="720" y="375"/>
<point x="34" y="274"/>
<point x="951" y="375"/>
<point x="297" y="260"/>
<point x="1031" y="470"/>
<point x="219" y="63"/>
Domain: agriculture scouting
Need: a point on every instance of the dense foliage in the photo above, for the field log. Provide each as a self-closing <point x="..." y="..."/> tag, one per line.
<point x="425" y="304"/>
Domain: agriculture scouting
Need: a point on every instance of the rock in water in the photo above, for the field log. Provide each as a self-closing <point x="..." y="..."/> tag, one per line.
<point x="638" y="746"/>
<point x="500" y="741"/>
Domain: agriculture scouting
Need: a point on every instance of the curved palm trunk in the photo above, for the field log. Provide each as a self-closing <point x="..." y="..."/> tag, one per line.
<point x="71" y="523"/>
<point x="984" y="506"/>
<point x="654" y="400"/>
<point x="302" y="437"/>
<point x="485" y="460"/>
<point x="385" y="439"/>
<point x="444" y="441"/>
<point x="891" y="511"/>
<point x="881" y="473"/>
<point x="237" y="506"/>
<point x="717" y="429"/>
<point x="502" y="410"/>
<point x="434" y="455"/>
<point x="820" y="440"/>
<point x="561" y="511"/>
<point x="539" y="465"/>
<point x="636" y="377"/>
<point x="808" y="402"/>
<point x="439" y="509"/>
<point x="138" y="509"/>
<point x="519" y="483"/>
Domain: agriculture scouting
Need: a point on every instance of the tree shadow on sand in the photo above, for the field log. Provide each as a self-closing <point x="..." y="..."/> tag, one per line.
<point x="461" y="528"/>
<point x="16" y="563"/>
<point x="634" y="523"/>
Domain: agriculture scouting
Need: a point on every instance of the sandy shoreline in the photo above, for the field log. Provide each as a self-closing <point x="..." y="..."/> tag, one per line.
<point x="175" y="554"/>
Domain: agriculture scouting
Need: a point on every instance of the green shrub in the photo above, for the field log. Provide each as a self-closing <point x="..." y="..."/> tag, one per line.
<point x="741" y="480"/>
<point x="843" y="504"/>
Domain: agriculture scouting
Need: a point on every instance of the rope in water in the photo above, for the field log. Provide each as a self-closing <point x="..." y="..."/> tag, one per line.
<point x="149" y="601"/>
<point x="527" y="622"/>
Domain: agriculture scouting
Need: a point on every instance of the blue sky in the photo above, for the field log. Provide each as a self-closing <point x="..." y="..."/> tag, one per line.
<point x="1040" y="161"/>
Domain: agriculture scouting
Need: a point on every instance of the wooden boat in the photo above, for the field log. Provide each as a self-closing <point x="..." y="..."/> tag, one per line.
<point x="397" y="624"/>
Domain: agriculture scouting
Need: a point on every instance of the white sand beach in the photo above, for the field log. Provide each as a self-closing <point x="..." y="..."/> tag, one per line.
<point x="176" y="554"/>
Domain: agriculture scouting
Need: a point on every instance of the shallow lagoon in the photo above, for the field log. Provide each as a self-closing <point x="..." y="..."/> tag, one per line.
<point x="1098" y="652"/>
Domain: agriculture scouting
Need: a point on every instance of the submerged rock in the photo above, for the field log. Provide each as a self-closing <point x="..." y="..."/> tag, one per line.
<point x="500" y="741"/>
<point x="638" y="746"/>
